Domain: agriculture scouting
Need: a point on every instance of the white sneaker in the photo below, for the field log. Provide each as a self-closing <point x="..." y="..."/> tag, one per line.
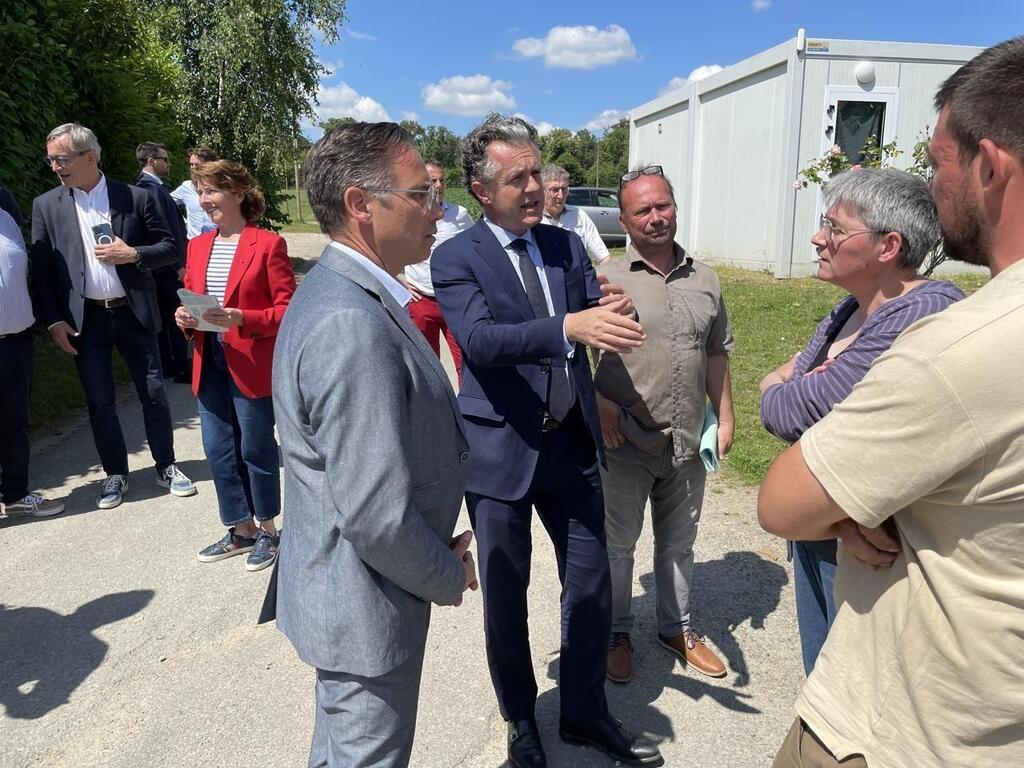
<point x="33" y="505"/>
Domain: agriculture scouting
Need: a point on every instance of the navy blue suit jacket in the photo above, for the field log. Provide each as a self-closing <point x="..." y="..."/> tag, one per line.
<point x="508" y="354"/>
<point x="171" y="216"/>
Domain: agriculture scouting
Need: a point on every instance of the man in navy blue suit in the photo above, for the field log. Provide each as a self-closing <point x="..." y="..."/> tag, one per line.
<point x="522" y="299"/>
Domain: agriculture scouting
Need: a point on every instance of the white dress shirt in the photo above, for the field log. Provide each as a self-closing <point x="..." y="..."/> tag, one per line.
<point x="578" y="221"/>
<point x="197" y="221"/>
<point x="93" y="207"/>
<point x="15" y="304"/>
<point x="398" y="291"/>
<point x="455" y="219"/>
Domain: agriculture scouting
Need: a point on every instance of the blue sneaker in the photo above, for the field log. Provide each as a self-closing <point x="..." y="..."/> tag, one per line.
<point x="174" y="480"/>
<point x="112" y="494"/>
<point x="230" y="545"/>
<point x="264" y="551"/>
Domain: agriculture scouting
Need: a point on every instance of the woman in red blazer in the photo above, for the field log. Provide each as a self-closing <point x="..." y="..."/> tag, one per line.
<point x="248" y="270"/>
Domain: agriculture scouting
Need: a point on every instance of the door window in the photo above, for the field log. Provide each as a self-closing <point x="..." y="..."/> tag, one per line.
<point x="606" y="199"/>
<point x="857" y="123"/>
<point x="578" y="197"/>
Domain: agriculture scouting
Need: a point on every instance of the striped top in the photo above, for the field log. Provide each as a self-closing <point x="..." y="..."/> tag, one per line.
<point x="221" y="257"/>
<point x="787" y="410"/>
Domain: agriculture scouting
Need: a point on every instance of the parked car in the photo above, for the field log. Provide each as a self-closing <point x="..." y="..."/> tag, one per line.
<point x="602" y="206"/>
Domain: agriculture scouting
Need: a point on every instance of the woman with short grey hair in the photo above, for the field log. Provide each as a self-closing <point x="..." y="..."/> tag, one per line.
<point x="877" y="230"/>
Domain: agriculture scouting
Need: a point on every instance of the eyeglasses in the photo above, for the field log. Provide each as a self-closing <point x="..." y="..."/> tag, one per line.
<point x="647" y="170"/>
<point x="165" y="158"/>
<point x="62" y="160"/>
<point x="832" y="230"/>
<point x="432" y="196"/>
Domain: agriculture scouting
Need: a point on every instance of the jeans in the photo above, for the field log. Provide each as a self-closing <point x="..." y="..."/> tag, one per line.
<point x="15" y="386"/>
<point x="676" y="492"/>
<point x="102" y="330"/>
<point x="238" y="438"/>
<point x="814" y="577"/>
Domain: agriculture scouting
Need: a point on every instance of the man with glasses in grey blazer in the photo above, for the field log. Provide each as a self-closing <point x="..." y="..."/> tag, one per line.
<point x="375" y="456"/>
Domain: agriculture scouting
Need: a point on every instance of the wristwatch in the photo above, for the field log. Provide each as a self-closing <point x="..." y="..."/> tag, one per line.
<point x="136" y="258"/>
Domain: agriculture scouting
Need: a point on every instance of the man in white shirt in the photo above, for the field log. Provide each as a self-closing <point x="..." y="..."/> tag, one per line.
<point x="94" y="244"/>
<point x="423" y="308"/>
<point x="16" y="322"/>
<point x="197" y="220"/>
<point x="555" y="181"/>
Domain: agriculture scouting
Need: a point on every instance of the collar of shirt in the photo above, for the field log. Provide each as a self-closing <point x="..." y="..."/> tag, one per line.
<point x="96" y="198"/>
<point x="505" y="238"/>
<point x="636" y="261"/>
<point x="156" y="178"/>
<point x="398" y="291"/>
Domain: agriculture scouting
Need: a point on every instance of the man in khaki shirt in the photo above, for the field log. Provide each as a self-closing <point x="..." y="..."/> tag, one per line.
<point x="652" y="407"/>
<point x="920" y="472"/>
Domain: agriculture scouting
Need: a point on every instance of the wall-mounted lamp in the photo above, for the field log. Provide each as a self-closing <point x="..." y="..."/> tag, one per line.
<point x="865" y="73"/>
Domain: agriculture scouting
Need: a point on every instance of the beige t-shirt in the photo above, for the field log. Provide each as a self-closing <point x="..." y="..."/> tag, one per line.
<point x="924" y="665"/>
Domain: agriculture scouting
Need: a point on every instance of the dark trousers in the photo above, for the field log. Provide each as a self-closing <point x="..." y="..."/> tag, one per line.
<point x="15" y="386"/>
<point x="173" y="347"/>
<point x="566" y="491"/>
<point x="102" y="330"/>
<point x="238" y="438"/>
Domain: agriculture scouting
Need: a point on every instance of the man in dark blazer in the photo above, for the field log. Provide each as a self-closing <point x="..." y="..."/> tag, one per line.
<point x="522" y="299"/>
<point x="94" y="242"/>
<point x="154" y="165"/>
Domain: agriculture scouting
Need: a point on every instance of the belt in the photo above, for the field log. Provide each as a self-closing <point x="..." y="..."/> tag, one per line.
<point x="120" y="301"/>
<point x="550" y="424"/>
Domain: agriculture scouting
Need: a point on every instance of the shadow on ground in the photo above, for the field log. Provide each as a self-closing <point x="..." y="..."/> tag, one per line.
<point x="739" y="587"/>
<point x="47" y="655"/>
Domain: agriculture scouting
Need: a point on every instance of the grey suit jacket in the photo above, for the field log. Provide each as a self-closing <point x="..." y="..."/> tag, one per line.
<point x="375" y="461"/>
<point x="58" y="256"/>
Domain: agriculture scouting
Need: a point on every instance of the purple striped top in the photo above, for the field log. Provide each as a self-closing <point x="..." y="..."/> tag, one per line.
<point x="789" y="409"/>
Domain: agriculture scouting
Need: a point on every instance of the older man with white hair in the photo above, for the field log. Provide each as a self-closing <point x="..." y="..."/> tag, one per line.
<point x="557" y="213"/>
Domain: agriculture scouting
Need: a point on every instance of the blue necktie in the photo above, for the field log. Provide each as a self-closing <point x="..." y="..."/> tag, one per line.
<point x="560" y="396"/>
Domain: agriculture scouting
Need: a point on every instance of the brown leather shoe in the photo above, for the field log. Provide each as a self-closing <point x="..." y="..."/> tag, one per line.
<point x="620" y="658"/>
<point x="690" y="647"/>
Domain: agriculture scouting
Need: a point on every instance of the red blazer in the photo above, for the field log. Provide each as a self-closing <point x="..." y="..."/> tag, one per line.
<point x="261" y="283"/>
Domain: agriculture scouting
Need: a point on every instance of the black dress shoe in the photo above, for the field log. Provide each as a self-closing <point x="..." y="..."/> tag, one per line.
<point x="608" y="735"/>
<point x="524" y="748"/>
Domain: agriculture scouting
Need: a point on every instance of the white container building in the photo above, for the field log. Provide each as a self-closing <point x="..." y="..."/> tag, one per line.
<point x="733" y="143"/>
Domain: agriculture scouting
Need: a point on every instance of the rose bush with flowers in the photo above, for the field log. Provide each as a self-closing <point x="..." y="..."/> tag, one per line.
<point x="874" y="156"/>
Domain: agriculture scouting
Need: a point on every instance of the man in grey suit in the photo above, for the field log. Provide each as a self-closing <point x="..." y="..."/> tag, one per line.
<point x="375" y="456"/>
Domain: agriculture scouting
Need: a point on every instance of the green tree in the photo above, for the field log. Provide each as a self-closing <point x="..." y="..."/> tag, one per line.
<point x="440" y="144"/>
<point x="334" y="122"/>
<point x="97" y="62"/>
<point x="612" y="157"/>
<point x="249" y="75"/>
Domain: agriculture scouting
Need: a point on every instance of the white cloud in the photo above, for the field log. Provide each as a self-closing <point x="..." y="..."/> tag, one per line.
<point x="579" y="47"/>
<point x="543" y="127"/>
<point x="332" y="67"/>
<point x="341" y="100"/>
<point x="468" y="95"/>
<point x="704" y="70"/>
<point x="407" y="115"/>
<point x="367" y="36"/>
<point x="761" y="5"/>
<point x="606" y="119"/>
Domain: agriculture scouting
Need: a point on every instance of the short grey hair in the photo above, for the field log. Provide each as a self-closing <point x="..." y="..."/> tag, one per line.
<point x="552" y="172"/>
<point x="350" y="155"/>
<point x="476" y="163"/>
<point x="81" y="138"/>
<point x="887" y="200"/>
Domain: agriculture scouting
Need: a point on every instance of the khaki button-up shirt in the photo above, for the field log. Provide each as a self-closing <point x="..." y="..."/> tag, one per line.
<point x="661" y="385"/>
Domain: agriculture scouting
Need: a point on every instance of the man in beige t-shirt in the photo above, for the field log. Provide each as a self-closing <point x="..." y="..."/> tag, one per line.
<point x="921" y="473"/>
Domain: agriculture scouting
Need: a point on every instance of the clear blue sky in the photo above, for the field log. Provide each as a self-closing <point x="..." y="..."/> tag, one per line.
<point x="583" y="64"/>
